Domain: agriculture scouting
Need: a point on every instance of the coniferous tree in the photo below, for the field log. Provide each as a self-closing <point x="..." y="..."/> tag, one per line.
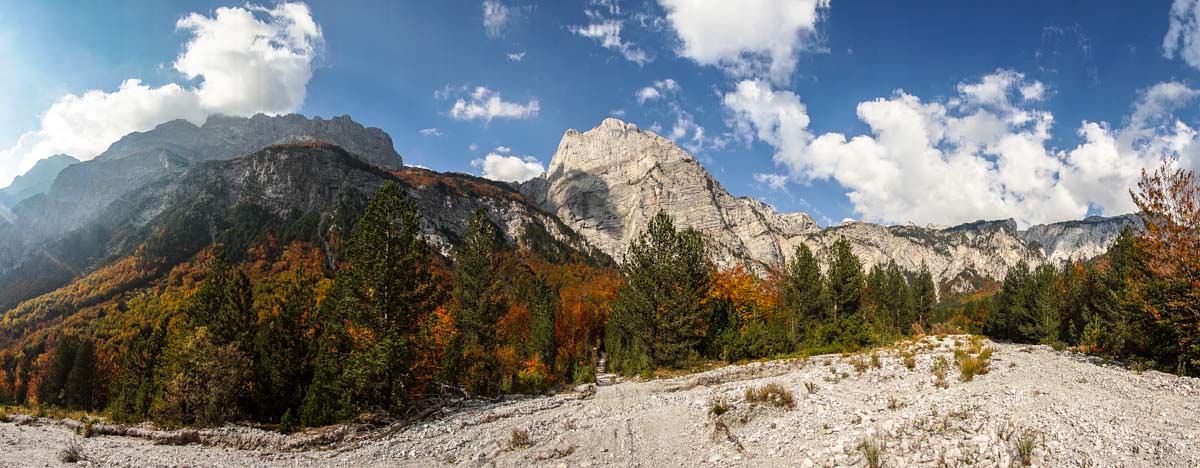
<point x="847" y="326"/>
<point x="370" y="319"/>
<point x="83" y="382"/>
<point x="924" y="295"/>
<point x="478" y="304"/>
<point x="53" y="388"/>
<point x="284" y="351"/>
<point x="659" y="315"/>
<point x="802" y="297"/>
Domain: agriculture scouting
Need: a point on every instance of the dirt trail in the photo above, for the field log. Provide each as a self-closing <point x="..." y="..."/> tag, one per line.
<point x="1070" y="410"/>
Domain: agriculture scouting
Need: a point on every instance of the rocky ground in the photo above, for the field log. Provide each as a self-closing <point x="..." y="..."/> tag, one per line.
<point x="1033" y="405"/>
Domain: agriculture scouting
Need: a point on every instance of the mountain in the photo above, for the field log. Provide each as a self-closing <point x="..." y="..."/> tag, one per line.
<point x="82" y="191"/>
<point x="308" y="192"/>
<point x="1079" y="240"/>
<point x="606" y="183"/>
<point x="36" y="181"/>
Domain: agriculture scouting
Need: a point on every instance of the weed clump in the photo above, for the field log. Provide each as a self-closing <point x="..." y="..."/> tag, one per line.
<point x="519" y="439"/>
<point x="772" y="394"/>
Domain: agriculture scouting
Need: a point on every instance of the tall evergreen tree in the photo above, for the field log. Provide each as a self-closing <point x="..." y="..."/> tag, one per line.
<point x="376" y="304"/>
<point x="83" y="383"/>
<point x="846" y="280"/>
<point x="659" y="315"/>
<point x="478" y="304"/>
<point x="802" y="297"/>
<point x="924" y="295"/>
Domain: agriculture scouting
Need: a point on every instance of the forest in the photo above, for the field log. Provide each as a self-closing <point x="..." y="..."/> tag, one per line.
<point x="265" y="330"/>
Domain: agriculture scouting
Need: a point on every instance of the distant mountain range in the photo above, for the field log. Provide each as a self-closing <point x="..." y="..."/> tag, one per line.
<point x="178" y="188"/>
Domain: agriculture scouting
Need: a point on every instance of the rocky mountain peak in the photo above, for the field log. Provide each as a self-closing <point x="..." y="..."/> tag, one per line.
<point x="224" y="137"/>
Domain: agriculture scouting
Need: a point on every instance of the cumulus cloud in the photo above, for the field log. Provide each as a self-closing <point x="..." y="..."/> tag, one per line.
<point x="431" y="132"/>
<point x="774" y="181"/>
<point x="1183" y="32"/>
<point x="247" y="59"/>
<point x="496" y="17"/>
<point x="605" y="24"/>
<point x="978" y="155"/>
<point x="656" y="90"/>
<point x="746" y="38"/>
<point x="509" y="168"/>
<point x="485" y="104"/>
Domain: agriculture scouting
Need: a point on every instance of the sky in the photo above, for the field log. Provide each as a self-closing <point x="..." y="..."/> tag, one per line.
<point x="932" y="112"/>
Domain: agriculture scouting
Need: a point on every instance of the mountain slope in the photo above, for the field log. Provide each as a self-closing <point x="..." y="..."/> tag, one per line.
<point x="36" y="181"/>
<point x="310" y="192"/>
<point x="83" y="191"/>
<point x="607" y="182"/>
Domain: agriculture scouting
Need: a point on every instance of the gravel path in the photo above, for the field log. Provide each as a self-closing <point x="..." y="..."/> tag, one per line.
<point x="1066" y="409"/>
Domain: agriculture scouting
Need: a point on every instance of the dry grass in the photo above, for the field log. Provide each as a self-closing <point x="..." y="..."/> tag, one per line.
<point x="1025" y="444"/>
<point x="871" y="452"/>
<point x="810" y="387"/>
<point x="772" y="394"/>
<point x="519" y="439"/>
<point x="940" y="365"/>
<point x="719" y="407"/>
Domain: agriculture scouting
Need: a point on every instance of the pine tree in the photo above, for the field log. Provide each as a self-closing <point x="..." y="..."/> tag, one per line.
<point x="802" y="296"/>
<point x="83" y="382"/>
<point x="924" y="295"/>
<point x="659" y="315"/>
<point x="846" y="280"/>
<point x="53" y="388"/>
<point x="478" y="304"/>
<point x="378" y="299"/>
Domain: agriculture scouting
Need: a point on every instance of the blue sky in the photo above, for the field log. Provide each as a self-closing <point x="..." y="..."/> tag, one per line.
<point x="402" y="66"/>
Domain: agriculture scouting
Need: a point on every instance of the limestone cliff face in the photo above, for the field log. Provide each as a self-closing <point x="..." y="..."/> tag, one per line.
<point x="606" y="184"/>
<point x="1079" y="240"/>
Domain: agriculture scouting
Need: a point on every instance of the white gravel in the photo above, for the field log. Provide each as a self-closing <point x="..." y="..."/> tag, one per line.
<point x="1078" y="412"/>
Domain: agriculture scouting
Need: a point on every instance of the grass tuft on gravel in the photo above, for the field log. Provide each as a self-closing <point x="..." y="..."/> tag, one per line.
<point x="772" y="394"/>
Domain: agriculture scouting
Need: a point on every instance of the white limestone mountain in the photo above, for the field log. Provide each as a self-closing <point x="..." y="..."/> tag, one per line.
<point x="606" y="184"/>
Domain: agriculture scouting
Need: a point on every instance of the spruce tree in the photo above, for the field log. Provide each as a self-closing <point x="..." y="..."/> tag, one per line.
<point x="802" y="287"/>
<point x="478" y="304"/>
<point x="373" y="312"/>
<point x="924" y="295"/>
<point x="659" y="315"/>
<point x="83" y="382"/>
<point x="846" y="280"/>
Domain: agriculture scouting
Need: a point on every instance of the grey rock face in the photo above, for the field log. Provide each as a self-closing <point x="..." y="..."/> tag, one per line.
<point x="224" y="137"/>
<point x="1079" y="240"/>
<point x="606" y="183"/>
<point x="36" y="181"/>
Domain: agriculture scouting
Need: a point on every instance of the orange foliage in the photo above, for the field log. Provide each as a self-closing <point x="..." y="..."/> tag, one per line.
<point x="750" y="296"/>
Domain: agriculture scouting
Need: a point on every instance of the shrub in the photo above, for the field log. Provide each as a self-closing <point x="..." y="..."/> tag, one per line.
<point x="72" y="452"/>
<point x="718" y="407"/>
<point x="875" y="360"/>
<point x="773" y="394"/>
<point x="519" y="439"/>
<point x="910" y="360"/>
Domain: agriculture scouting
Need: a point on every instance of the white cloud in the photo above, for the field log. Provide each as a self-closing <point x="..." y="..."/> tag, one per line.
<point x="656" y="90"/>
<point x="473" y="147"/>
<point x="509" y="168"/>
<point x="486" y="104"/>
<point x="746" y="38"/>
<point x="605" y="24"/>
<point x="774" y="181"/>
<point x="1183" y="32"/>
<point x="617" y="112"/>
<point x="503" y="149"/>
<point x="435" y="132"/>
<point x="247" y="59"/>
<point x="516" y="56"/>
<point x="496" y="17"/>
<point x="974" y="156"/>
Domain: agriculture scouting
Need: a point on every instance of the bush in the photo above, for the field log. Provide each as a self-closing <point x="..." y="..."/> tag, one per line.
<point x="519" y="439"/>
<point x="772" y="394"/>
<point x="202" y="382"/>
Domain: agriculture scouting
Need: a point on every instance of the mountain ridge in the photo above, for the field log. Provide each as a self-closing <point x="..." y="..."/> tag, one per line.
<point x="607" y="182"/>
